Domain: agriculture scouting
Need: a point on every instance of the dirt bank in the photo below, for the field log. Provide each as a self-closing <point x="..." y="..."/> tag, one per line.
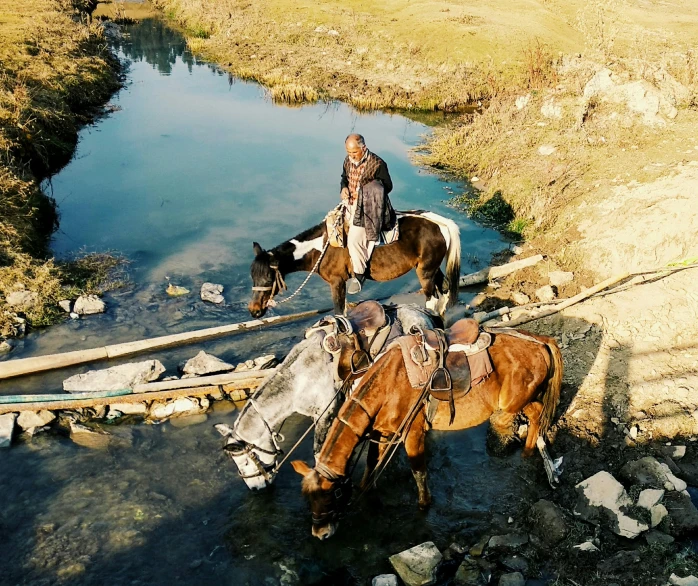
<point x="55" y="74"/>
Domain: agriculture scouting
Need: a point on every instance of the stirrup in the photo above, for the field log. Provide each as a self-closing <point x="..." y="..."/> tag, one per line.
<point x="353" y="286"/>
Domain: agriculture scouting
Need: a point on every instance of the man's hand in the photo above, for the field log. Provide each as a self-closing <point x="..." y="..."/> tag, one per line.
<point x="345" y="193"/>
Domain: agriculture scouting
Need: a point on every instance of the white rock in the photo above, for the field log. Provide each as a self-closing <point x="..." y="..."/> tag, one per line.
<point x="520" y="298"/>
<point x="674" y="452"/>
<point x="6" y="346"/>
<point x="691" y="580"/>
<point x="22" y="299"/>
<point x="546" y="150"/>
<point x="333" y="33"/>
<point x="88" y="305"/>
<point x="204" y="363"/>
<point x="385" y="580"/>
<point x="66" y="305"/>
<point x="212" y="293"/>
<point x="125" y="376"/>
<point x="550" y="109"/>
<point x="650" y="497"/>
<point x="7" y="426"/>
<point x="545" y="294"/>
<point x="184" y="405"/>
<point x="417" y="566"/>
<point x="29" y="419"/>
<point x="560" y="278"/>
<point x="74" y="315"/>
<point x="320" y="29"/>
<point x="128" y="408"/>
<point x="161" y="410"/>
<point x="586" y="546"/>
<point x="516" y="249"/>
<point x="657" y="514"/>
<point x="601" y="496"/>
<point x="600" y="82"/>
<point x="522" y="101"/>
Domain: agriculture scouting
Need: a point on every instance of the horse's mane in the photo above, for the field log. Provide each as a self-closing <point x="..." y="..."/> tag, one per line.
<point x="311" y="483"/>
<point x="309" y="234"/>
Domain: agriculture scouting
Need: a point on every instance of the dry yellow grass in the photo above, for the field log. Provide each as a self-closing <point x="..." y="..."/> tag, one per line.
<point x="54" y="71"/>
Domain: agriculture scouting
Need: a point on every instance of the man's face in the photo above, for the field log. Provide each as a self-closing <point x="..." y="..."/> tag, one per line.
<point x="355" y="151"/>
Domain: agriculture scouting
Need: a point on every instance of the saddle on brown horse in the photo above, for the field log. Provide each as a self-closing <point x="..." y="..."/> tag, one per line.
<point x="447" y="363"/>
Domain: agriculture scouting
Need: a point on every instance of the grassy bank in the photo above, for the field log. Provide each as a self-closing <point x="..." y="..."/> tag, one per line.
<point x="55" y="72"/>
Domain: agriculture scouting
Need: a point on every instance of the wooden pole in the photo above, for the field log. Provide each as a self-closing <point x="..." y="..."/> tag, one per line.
<point x="490" y="273"/>
<point x="198" y="387"/>
<point x="565" y="304"/>
<point x="22" y="366"/>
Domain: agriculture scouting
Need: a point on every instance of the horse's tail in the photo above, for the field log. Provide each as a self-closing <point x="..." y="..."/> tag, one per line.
<point x="451" y="234"/>
<point x="551" y="396"/>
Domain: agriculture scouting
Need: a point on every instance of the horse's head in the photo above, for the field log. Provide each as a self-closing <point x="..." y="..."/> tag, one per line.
<point x="256" y="464"/>
<point x="267" y="281"/>
<point x="328" y="498"/>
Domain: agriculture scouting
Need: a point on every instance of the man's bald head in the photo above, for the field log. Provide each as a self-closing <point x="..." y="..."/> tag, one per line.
<point x="356" y="147"/>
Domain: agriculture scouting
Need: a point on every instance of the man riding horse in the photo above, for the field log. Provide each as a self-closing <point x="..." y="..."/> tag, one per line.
<point x="365" y="185"/>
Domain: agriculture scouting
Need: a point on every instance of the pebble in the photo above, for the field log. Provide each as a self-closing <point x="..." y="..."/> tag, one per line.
<point x="546" y="150"/>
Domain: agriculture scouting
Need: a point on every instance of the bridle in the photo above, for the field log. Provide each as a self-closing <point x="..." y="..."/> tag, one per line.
<point x="277" y="285"/>
<point x="340" y="495"/>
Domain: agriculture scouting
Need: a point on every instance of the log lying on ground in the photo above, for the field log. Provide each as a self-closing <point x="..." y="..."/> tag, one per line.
<point x="490" y="273"/>
<point x="22" y="366"/>
<point x="158" y="391"/>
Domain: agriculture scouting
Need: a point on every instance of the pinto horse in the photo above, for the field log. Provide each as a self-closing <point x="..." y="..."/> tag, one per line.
<point x="425" y="239"/>
<point x="526" y="381"/>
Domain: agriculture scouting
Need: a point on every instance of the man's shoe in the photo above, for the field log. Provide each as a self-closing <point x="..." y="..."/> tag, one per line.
<point x="354" y="284"/>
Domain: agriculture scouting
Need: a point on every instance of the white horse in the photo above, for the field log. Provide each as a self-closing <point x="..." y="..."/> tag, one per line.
<point x="304" y="383"/>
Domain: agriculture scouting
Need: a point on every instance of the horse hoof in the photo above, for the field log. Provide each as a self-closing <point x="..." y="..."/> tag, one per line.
<point x="527" y="452"/>
<point x="423" y="506"/>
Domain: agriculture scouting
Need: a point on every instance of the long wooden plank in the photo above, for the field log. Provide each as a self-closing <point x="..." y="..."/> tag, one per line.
<point x="240" y="378"/>
<point x="490" y="273"/>
<point x="22" y="366"/>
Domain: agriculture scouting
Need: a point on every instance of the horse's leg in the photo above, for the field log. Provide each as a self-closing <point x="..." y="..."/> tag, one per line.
<point x="373" y="454"/>
<point x="533" y="412"/>
<point x="339" y="295"/>
<point x="426" y="275"/>
<point x="501" y="432"/>
<point x="414" y="446"/>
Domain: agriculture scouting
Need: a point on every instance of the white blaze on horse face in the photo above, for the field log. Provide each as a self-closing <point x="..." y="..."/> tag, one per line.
<point x="303" y="248"/>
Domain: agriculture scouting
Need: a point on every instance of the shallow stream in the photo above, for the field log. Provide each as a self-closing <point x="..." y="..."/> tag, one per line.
<point x="188" y="170"/>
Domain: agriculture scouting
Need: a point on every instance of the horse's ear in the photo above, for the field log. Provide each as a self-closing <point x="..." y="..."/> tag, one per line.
<point x="301" y="467"/>
<point x="257" y="249"/>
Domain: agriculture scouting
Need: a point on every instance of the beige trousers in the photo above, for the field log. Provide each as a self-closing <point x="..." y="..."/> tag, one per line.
<point x="360" y="248"/>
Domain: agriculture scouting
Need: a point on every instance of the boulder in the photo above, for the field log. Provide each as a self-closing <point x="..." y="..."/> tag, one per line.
<point x="655" y="537"/>
<point x="161" y="410"/>
<point x="88" y="305"/>
<point x="648" y="471"/>
<point x="548" y="522"/>
<point x="657" y="514"/>
<point x="31" y="419"/>
<point x="513" y="579"/>
<point x="649" y="497"/>
<point x="6" y="346"/>
<point x="128" y="408"/>
<point x="478" y="549"/>
<point x="691" y="580"/>
<point x="509" y="542"/>
<point x="560" y="278"/>
<point x="212" y="293"/>
<point x="204" y="363"/>
<point x="66" y="305"/>
<point x="7" y="427"/>
<point x="545" y="294"/>
<point x="683" y="515"/>
<point x="125" y="376"/>
<point x="385" y="580"/>
<point x="22" y="300"/>
<point x="602" y="499"/>
<point x="417" y="566"/>
<point x="469" y="573"/>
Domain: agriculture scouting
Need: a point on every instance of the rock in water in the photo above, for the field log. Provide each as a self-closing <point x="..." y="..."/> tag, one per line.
<point x="417" y="566"/>
<point x="88" y="305"/>
<point x="213" y="293"/>
<point x="602" y="497"/>
<point x="88" y="437"/>
<point x="6" y="346"/>
<point x="204" y="363"/>
<point x="30" y="419"/>
<point x="7" y="426"/>
<point x="125" y="376"/>
<point x="189" y="420"/>
<point x="385" y="580"/>
<point x="514" y="579"/>
<point x="176" y="290"/>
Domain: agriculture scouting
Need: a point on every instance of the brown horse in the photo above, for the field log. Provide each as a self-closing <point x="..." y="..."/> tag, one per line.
<point x="526" y="381"/>
<point x="425" y="239"/>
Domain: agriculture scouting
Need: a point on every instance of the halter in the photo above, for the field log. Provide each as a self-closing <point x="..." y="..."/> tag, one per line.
<point x="278" y="284"/>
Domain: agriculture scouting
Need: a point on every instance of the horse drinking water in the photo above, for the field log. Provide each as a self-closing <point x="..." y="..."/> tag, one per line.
<point x="425" y="239"/>
<point x="388" y="407"/>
